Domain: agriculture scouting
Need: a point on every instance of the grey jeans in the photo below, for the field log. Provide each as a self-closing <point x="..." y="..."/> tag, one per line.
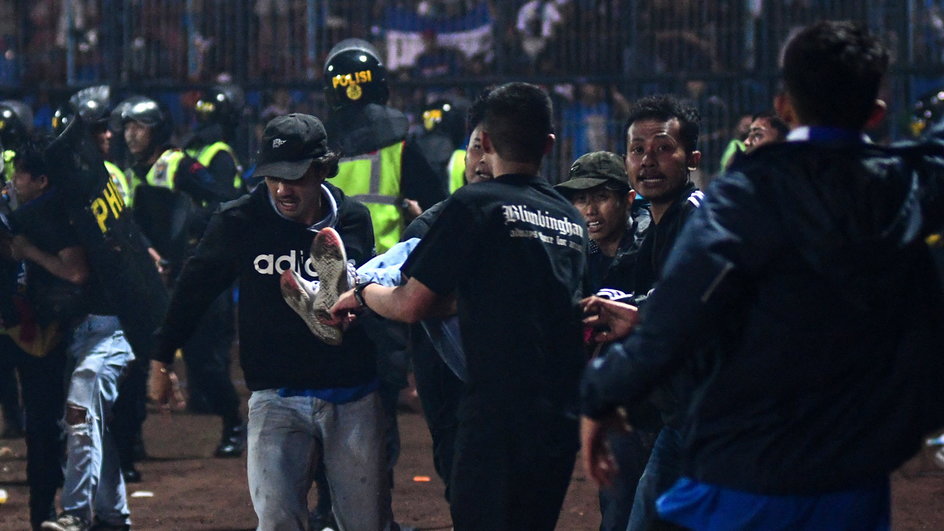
<point x="286" y="437"/>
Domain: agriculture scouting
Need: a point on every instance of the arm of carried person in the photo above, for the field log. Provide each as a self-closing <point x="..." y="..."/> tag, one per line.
<point x="69" y="263"/>
<point x="408" y="303"/>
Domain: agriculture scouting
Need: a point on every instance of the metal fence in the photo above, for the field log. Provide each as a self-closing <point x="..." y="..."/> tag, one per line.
<point x="594" y="56"/>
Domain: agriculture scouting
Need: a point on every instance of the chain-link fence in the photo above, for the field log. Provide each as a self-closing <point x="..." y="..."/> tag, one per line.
<point x="594" y="56"/>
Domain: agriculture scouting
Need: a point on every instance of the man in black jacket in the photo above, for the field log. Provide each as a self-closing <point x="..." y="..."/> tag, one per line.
<point x="308" y="398"/>
<point x="661" y="152"/>
<point x="803" y="283"/>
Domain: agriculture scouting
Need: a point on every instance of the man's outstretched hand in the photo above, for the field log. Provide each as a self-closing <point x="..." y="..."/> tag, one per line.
<point x="164" y="388"/>
<point x="344" y="312"/>
<point x="609" y="320"/>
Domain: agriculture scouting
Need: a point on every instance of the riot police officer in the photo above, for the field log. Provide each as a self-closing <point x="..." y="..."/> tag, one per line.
<point x="16" y="124"/>
<point x="379" y="167"/>
<point x="173" y="197"/>
<point x="93" y="105"/>
<point x="443" y="139"/>
<point x="218" y="112"/>
<point x="927" y="111"/>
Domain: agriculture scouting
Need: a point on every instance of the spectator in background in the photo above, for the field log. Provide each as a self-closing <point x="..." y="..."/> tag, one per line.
<point x="537" y="23"/>
<point x="437" y="61"/>
<point x="586" y="123"/>
<point x="766" y="127"/>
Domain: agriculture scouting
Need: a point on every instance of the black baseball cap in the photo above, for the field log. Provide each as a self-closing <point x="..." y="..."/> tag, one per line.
<point x="289" y="144"/>
<point x="596" y="168"/>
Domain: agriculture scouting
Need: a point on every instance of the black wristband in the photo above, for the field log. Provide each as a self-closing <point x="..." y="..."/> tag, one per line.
<point x="359" y="292"/>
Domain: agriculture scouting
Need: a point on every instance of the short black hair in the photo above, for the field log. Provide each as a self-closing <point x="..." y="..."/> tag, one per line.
<point x="665" y="107"/>
<point x="842" y="56"/>
<point x="476" y="112"/>
<point x="31" y="156"/>
<point x="775" y="121"/>
<point x="518" y="118"/>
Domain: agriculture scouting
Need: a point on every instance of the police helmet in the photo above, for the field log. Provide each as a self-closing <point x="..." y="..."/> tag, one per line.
<point x="927" y="111"/>
<point x="61" y="119"/>
<point x="447" y="115"/>
<point x="355" y="74"/>
<point x="90" y="103"/>
<point x="222" y="104"/>
<point x="146" y="112"/>
<point x="16" y="122"/>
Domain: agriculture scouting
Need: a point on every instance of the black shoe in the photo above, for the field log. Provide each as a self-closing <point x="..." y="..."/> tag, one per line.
<point x="233" y="441"/>
<point x="98" y="525"/>
<point x="139" y="453"/>
<point x="131" y="474"/>
<point x="199" y="404"/>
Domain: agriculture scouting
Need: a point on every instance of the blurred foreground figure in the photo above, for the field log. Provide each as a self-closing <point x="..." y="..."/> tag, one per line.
<point x="803" y="295"/>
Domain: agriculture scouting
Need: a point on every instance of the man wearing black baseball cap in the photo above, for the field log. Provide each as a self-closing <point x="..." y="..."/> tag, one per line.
<point x="310" y="399"/>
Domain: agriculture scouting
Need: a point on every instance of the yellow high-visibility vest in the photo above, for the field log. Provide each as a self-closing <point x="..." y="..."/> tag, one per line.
<point x="456" y="168"/>
<point x="162" y="172"/>
<point x="374" y="179"/>
<point x="205" y="155"/>
<point x="118" y="177"/>
<point x="8" y="169"/>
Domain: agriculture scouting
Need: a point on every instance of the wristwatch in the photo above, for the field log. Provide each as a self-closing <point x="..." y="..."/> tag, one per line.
<point x="359" y="292"/>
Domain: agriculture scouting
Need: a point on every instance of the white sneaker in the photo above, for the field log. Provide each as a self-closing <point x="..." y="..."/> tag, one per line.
<point x="310" y="299"/>
<point x="66" y="522"/>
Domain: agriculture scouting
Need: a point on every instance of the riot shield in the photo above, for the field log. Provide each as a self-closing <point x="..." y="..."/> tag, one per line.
<point x="117" y="253"/>
<point x="166" y="218"/>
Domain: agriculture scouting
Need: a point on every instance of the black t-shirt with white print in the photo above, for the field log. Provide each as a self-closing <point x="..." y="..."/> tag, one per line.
<point x="512" y="250"/>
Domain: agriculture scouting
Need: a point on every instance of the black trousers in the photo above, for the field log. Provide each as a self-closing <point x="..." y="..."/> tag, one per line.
<point x="439" y="391"/>
<point x="10" y="398"/>
<point x="207" y="354"/>
<point x="42" y="380"/>
<point x="208" y="359"/>
<point x="509" y="475"/>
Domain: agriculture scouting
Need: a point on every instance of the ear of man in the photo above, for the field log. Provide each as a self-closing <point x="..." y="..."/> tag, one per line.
<point x="785" y="111"/>
<point x="549" y="143"/>
<point x="876" y="115"/>
<point x="693" y="160"/>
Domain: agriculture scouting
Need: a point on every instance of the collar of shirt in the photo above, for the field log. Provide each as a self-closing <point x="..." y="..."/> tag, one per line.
<point x="826" y="134"/>
<point x="329" y="220"/>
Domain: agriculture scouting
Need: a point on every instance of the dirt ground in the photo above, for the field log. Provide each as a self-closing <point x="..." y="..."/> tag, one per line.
<point x="186" y="489"/>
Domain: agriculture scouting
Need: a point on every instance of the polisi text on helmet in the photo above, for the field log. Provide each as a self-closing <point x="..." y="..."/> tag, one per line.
<point x="343" y="80"/>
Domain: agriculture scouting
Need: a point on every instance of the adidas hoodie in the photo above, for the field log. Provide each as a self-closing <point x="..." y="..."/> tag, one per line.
<point x="247" y="240"/>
